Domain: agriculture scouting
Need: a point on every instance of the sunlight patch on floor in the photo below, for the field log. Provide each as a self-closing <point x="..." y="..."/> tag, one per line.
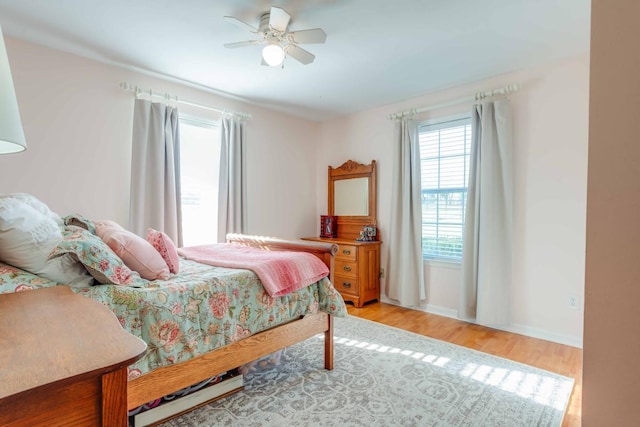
<point x="542" y="389"/>
<point x="429" y="358"/>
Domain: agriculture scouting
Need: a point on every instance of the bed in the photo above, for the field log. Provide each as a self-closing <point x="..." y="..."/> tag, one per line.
<point x="204" y="320"/>
<point x="290" y="319"/>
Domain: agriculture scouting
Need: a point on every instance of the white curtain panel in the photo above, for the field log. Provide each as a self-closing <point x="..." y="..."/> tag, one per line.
<point x="486" y="255"/>
<point x="405" y="270"/>
<point x="232" y="192"/>
<point x="155" y="170"/>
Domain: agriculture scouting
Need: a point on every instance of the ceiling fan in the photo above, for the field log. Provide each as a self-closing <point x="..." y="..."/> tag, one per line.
<point x="280" y="42"/>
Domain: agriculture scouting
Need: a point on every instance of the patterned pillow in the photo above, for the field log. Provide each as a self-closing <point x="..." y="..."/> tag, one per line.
<point x="137" y="253"/>
<point x="80" y="221"/>
<point x="167" y="249"/>
<point x="99" y="260"/>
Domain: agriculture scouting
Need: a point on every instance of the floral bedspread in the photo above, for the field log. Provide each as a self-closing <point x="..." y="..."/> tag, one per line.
<point x="198" y="310"/>
<point x="13" y="279"/>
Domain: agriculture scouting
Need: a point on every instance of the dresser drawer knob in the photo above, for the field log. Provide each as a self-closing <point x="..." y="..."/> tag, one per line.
<point x="346" y="251"/>
<point x="346" y="284"/>
<point x="347" y="268"/>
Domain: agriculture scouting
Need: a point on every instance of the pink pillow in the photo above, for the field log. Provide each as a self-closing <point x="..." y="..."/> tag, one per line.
<point x="165" y="247"/>
<point x="135" y="252"/>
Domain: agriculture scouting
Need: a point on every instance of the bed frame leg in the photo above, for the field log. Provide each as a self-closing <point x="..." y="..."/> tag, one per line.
<point x="328" y="344"/>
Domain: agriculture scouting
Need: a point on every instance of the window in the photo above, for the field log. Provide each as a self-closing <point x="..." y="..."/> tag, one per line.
<point x="444" y="159"/>
<point x="199" y="169"/>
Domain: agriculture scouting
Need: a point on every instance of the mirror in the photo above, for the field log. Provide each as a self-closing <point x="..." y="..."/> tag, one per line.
<point x="352" y="197"/>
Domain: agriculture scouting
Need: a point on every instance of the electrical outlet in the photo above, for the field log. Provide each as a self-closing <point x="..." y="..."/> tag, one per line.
<point x="382" y="273"/>
<point x="573" y="302"/>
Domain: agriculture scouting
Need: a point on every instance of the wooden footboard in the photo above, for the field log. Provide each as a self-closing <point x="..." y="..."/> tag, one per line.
<point x="169" y="379"/>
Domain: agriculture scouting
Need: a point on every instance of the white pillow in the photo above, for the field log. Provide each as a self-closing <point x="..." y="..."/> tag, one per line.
<point x="27" y="236"/>
<point x="37" y="204"/>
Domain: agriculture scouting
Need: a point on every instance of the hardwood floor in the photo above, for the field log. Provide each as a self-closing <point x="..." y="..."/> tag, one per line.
<point x="562" y="359"/>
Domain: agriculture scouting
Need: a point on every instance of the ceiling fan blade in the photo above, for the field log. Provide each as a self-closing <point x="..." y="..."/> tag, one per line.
<point x="316" y="35"/>
<point x="279" y="19"/>
<point x="243" y="44"/>
<point x="239" y="23"/>
<point x="300" y="55"/>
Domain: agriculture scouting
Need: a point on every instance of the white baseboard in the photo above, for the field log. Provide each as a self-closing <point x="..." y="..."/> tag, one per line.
<point x="514" y="328"/>
<point x="544" y="335"/>
<point x="441" y="311"/>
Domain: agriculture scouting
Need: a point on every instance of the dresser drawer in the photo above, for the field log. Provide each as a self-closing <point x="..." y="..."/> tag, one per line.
<point x="356" y="269"/>
<point x="346" y="285"/>
<point x="347" y="252"/>
<point x="346" y="268"/>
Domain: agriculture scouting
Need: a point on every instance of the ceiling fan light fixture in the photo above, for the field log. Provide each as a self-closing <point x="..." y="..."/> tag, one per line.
<point x="273" y="54"/>
<point x="280" y="43"/>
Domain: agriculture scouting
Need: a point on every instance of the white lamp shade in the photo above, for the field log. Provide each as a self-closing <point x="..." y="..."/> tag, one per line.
<point x="11" y="134"/>
<point x="273" y="54"/>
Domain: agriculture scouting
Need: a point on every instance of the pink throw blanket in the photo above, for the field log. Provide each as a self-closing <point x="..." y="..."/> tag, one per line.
<point x="280" y="272"/>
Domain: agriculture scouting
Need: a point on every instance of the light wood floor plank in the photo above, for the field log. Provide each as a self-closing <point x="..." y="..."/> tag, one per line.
<point x="562" y="359"/>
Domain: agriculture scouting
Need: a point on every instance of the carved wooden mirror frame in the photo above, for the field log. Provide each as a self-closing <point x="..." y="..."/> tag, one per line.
<point x="349" y="226"/>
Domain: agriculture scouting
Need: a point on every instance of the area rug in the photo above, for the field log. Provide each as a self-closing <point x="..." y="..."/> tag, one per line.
<point x="385" y="376"/>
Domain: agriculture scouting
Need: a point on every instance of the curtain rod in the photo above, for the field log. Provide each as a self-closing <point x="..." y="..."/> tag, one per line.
<point x="139" y="91"/>
<point x="477" y="97"/>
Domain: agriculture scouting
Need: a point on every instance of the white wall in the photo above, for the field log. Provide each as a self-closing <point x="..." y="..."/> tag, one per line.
<point x="78" y="128"/>
<point x="550" y="115"/>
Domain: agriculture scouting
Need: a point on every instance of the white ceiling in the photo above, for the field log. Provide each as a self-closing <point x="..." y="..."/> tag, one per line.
<point x="377" y="51"/>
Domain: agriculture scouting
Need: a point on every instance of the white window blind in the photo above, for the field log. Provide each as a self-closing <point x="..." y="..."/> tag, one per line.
<point x="444" y="155"/>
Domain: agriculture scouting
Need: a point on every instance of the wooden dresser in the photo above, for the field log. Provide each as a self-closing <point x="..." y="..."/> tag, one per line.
<point x="351" y="200"/>
<point x="356" y="270"/>
<point x="63" y="360"/>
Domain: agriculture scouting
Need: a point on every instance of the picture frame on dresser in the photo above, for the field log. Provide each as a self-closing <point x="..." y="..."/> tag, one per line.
<point x="328" y="226"/>
<point x="352" y="202"/>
